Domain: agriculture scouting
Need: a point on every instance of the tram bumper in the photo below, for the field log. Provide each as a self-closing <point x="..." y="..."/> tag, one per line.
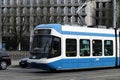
<point x="39" y="64"/>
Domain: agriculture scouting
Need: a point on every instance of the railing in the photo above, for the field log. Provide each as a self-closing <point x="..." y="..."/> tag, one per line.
<point x="16" y="55"/>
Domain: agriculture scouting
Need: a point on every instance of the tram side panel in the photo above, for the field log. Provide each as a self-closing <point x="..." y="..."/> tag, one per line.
<point x="84" y="52"/>
<point x="69" y="52"/>
<point x="91" y="61"/>
<point x="103" y="52"/>
<point x="72" y="58"/>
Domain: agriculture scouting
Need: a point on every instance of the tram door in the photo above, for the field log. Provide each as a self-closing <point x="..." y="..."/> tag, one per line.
<point x="102" y="51"/>
<point x="85" y="60"/>
<point x="71" y="53"/>
<point x="119" y="51"/>
<point x="97" y="53"/>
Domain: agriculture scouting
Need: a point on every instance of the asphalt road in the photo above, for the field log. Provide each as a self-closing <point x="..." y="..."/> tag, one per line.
<point x="33" y="74"/>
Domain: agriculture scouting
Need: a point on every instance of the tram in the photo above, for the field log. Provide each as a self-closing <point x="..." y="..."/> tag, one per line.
<point x="65" y="47"/>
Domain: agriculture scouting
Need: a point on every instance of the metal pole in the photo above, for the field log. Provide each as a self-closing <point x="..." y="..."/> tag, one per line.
<point x="115" y="28"/>
<point x="114" y="14"/>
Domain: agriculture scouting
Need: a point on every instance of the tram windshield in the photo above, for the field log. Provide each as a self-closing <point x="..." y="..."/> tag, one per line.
<point x="45" y="46"/>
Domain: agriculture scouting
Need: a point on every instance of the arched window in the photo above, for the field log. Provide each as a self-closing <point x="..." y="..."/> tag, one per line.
<point x="52" y="10"/>
<point x="38" y="2"/>
<point x="0" y="11"/>
<point x="73" y="10"/>
<point x="65" y="10"/>
<point x="12" y="2"/>
<point x="52" y="19"/>
<point x="32" y="11"/>
<point x="11" y="20"/>
<point x="72" y="20"/>
<point x="18" y="2"/>
<point x="73" y="2"/>
<point x="66" y="2"/>
<point x="39" y="11"/>
<point x="58" y="10"/>
<point x="25" y="11"/>
<point x="65" y="20"/>
<point x="5" y="2"/>
<point x="12" y="11"/>
<point x="31" y="19"/>
<point x="31" y="2"/>
<point x="45" y="10"/>
<point x="51" y="2"/>
<point x="5" y="10"/>
<point x="59" y="19"/>
<point x="58" y="2"/>
<point x="18" y="11"/>
<point x="18" y="20"/>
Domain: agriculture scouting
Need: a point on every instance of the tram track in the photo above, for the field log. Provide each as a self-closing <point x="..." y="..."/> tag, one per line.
<point x="110" y="74"/>
<point x="33" y="74"/>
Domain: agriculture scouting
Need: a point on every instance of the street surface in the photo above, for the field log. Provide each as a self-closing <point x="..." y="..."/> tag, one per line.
<point x="16" y="73"/>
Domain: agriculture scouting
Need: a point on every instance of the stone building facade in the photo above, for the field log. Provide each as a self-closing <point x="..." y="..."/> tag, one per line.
<point x="28" y="13"/>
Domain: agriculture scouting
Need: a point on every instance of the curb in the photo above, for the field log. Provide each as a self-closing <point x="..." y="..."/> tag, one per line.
<point x="14" y="66"/>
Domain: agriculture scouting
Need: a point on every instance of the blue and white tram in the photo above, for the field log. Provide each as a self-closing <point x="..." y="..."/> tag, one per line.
<point x="64" y="47"/>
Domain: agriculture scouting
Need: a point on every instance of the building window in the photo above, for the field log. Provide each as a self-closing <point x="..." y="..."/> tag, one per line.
<point x="2" y="2"/>
<point x="76" y="1"/>
<point x="97" y="13"/>
<point x="72" y="19"/>
<point x="65" y="20"/>
<point x="8" y="2"/>
<point x="83" y="1"/>
<point x="69" y="19"/>
<point x="34" y="2"/>
<point x="103" y="13"/>
<point x="28" y="2"/>
<point x="62" y="10"/>
<point x="69" y="1"/>
<point x="103" y="21"/>
<point x="76" y="8"/>
<point x="66" y="10"/>
<point x="15" y="3"/>
<point x="104" y="4"/>
<point x="97" y="21"/>
<point x="62" y="1"/>
<point x="97" y="4"/>
<point x="59" y="10"/>
<point x="55" y="1"/>
<point x="69" y="10"/>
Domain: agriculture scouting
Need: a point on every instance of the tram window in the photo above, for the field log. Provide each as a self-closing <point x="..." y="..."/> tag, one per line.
<point x="56" y="47"/>
<point x="84" y="47"/>
<point x="108" y="47"/>
<point x="97" y="47"/>
<point x="71" y="47"/>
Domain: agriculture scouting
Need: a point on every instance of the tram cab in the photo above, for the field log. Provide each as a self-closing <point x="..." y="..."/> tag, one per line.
<point x="45" y="44"/>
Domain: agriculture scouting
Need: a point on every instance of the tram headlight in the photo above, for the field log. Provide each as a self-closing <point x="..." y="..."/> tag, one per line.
<point x="36" y="32"/>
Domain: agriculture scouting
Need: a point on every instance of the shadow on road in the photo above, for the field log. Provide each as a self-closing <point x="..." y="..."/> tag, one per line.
<point x="75" y="70"/>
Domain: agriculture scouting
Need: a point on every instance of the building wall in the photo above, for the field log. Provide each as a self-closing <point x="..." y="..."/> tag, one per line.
<point x="29" y="13"/>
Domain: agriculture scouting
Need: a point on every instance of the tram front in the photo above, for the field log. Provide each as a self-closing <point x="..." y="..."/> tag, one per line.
<point x="44" y="49"/>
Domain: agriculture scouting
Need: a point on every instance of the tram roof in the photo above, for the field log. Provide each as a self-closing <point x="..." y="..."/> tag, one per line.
<point x="74" y="28"/>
